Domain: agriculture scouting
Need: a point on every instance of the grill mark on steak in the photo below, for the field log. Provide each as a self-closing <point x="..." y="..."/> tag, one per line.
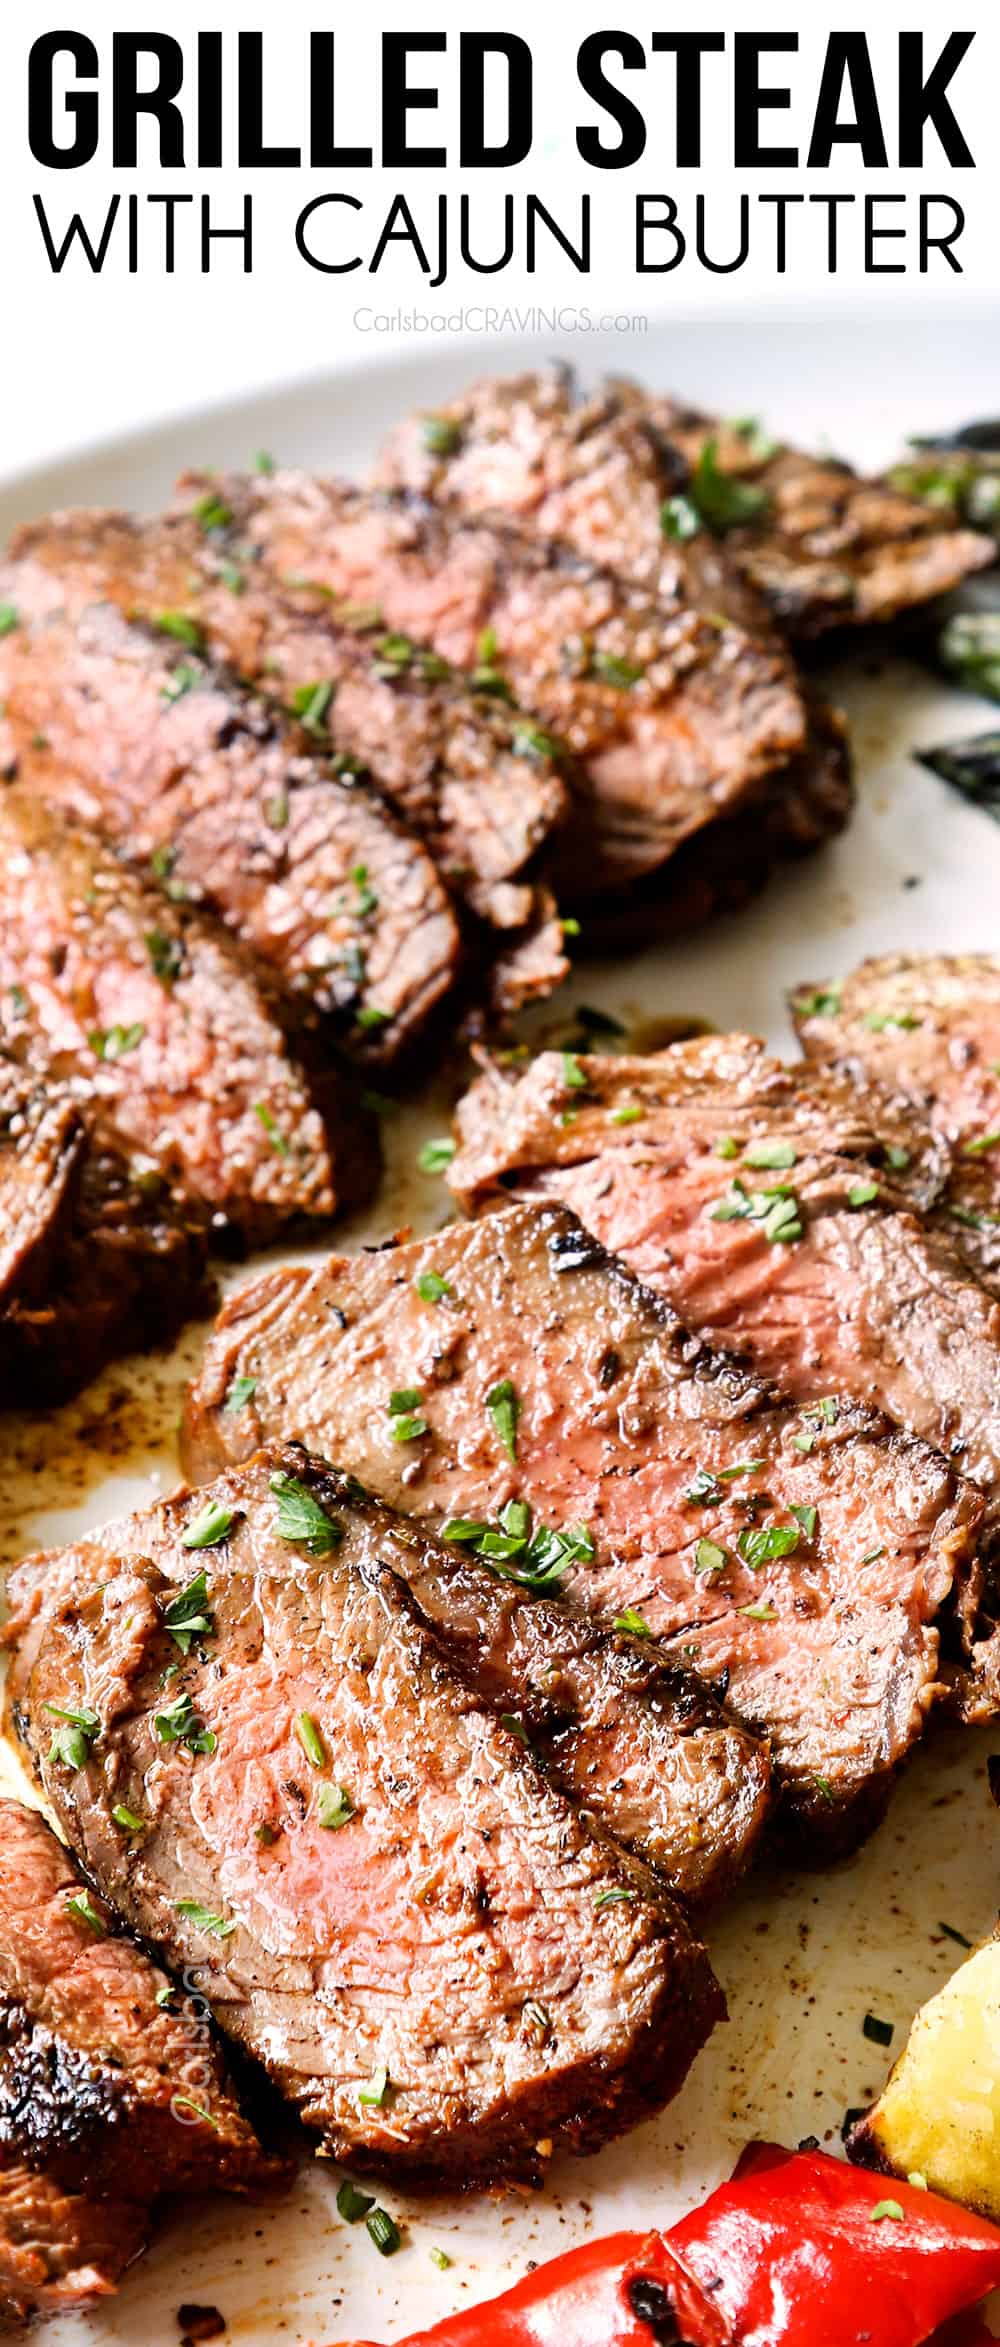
<point x="840" y="1680"/>
<point x="463" y="1898"/>
<point x="443" y="756"/>
<point x="707" y="715"/>
<point x="165" y="1036"/>
<point x="176" y="763"/>
<point x="100" y="1259"/>
<point x="925" y="1029"/>
<point x="107" y="2098"/>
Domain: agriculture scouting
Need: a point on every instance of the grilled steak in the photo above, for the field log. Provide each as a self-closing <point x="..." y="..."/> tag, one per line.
<point x="551" y="1376"/>
<point x="441" y="1967"/>
<point x="162" y="1032"/>
<point x="926" y="1029"/>
<point x="111" y="2087"/>
<point x="97" y="1256"/>
<point x="181" y="767"/>
<point x="444" y="755"/>
<point x="826" y="546"/>
<point x="671" y="719"/>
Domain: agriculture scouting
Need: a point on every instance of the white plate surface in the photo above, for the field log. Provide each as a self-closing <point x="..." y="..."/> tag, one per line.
<point x="801" y="1957"/>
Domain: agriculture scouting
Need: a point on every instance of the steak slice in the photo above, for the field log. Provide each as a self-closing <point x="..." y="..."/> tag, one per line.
<point x="670" y="718"/>
<point x="926" y="1029"/>
<point x="550" y="1376"/>
<point x="41" y="1147"/>
<point x="181" y="767"/>
<point x="443" y="755"/>
<point x="164" y="1035"/>
<point x="828" y="547"/>
<point x="111" y="2086"/>
<point x="459" y="1977"/>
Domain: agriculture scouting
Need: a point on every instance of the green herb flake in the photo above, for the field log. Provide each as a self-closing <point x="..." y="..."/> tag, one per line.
<point x="632" y="1623"/>
<point x="179" y="1723"/>
<point x="310" y="1740"/>
<point x="727" y="1147"/>
<point x="166" y="955"/>
<point x="367" y="900"/>
<point x="614" y="1898"/>
<point x="777" y="1210"/>
<point x="185" y="679"/>
<point x="878" y="1022"/>
<point x="436" y="1155"/>
<point x="530" y="741"/>
<point x="723" y="500"/>
<point x="679" y="518"/>
<point x="352" y="2205"/>
<point x="873" y="1555"/>
<point x="265" y="1117"/>
<point x="710" y="1559"/>
<point x="182" y="626"/>
<point x="807" y="1517"/>
<point x="372" y="2096"/>
<point x="334" y="1807"/>
<point x="877" y="2032"/>
<point x="441" y="436"/>
<point x="504" y="1406"/>
<point x="239" y="1392"/>
<point x="82" y="1907"/>
<point x="887" y="2208"/>
<point x="370" y="1015"/>
<point x="610" y="669"/>
<point x="979" y="1147"/>
<point x="204" y="1919"/>
<point x="824" y="1004"/>
<point x="862" y="1194"/>
<point x="573" y="1075"/>
<point x="432" y="1289"/>
<point x="301" y="1520"/>
<point x="71" y="1743"/>
<point x="128" y="1819"/>
<point x="10" y="618"/>
<point x="187" y="1616"/>
<point x="110" y="1043"/>
<point x="772" y="1155"/>
<point x="824" y="1788"/>
<point x="761" y="1544"/>
<point x="212" y="1525"/>
<point x="897" y="1157"/>
<point x="310" y="704"/>
<point x="212" y="512"/>
<point x="629" y="1115"/>
<point x="440" y="2258"/>
<point x="383" y="2231"/>
<point x="763" y="1612"/>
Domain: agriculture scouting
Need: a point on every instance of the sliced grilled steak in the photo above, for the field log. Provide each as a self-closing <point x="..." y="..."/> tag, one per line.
<point x="98" y="1256"/>
<point x="443" y="755"/>
<point x="111" y="2087"/>
<point x="592" y="474"/>
<point x="671" y="718"/>
<point x="549" y="1375"/>
<point x="163" y="1033"/>
<point x="180" y="766"/>
<point x="828" y="547"/>
<point x="441" y="1967"/>
<point x="926" y="1029"/>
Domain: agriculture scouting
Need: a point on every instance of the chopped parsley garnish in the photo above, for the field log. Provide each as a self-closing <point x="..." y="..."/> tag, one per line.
<point x="310" y="1740"/>
<point x="573" y="1075"/>
<point x="807" y="1517"/>
<point x="204" y="1919"/>
<point x="862" y="1193"/>
<point x="978" y="1148"/>
<point x="10" y="618"/>
<point x="706" y="1491"/>
<point x="181" y="1724"/>
<point x="185" y="679"/>
<point x="239" y="1392"/>
<point x="301" y="1520"/>
<point x="187" y="1616"/>
<point x="887" y="2208"/>
<point x="825" y="1409"/>
<point x="824" y="1788"/>
<point x="71" y="1742"/>
<point x="824" y="1004"/>
<point x="536" y="1558"/>
<point x="166" y="955"/>
<point x="896" y="1156"/>
<point x="373" y="2095"/>
<point x="83" y="1908"/>
<point x="334" y="1807"/>
<point x="265" y="1116"/>
<point x="504" y="1406"/>
<point x="722" y="499"/>
<point x="610" y="669"/>
<point x="530" y="741"/>
<point x="679" y="518"/>
<point x="710" y="1559"/>
<point x="186" y="2102"/>
<point x="878" y="1021"/>
<point x="212" y="512"/>
<point x="878" y="2032"/>
<point x="113" y="1042"/>
<point x="441" y="435"/>
<point x="727" y="1147"/>
<point x="182" y="627"/>
<point x="407" y="1421"/>
<point x="371" y="1016"/>
<point x="405" y="1397"/>
<point x="211" y="1526"/>
<point x="759" y="1544"/>
<point x="763" y="1612"/>
<point x="614" y="1898"/>
<point x="382" y="2229"/>
<point x="435" y="1155"/>
<point x="873" y="1555"/>
<point x="431" y="1288"/>
<point x="440" y="2258"/>
<point x="310" y="704"/>
<point x="629" y="1115"/>
<point x="128" y="1819"/>
<point x="774" y="1156"/>
<point x="776" y="1209"/>
<point x="367" y="900"/>
<point x="633" y="1623"/>
<point x="352" y="2205"/>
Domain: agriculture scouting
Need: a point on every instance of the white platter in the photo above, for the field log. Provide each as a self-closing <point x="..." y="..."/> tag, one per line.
<point x="801" y="1957"/>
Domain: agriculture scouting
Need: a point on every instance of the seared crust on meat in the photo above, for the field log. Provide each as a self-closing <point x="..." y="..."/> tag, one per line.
<point x="620" y="1411"/>
<point x="171" y="1045"/>
<point x="552" y="1993"/>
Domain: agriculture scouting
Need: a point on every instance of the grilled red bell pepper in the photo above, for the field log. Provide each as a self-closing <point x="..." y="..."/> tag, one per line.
<point x="797" y="2250"/>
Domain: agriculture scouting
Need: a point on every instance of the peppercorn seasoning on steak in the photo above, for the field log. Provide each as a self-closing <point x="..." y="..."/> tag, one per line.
<point x="177" y="1055"/>
<point x="799" y="1560"/>
<point x="233" y="807"/>
<point x="669" y="718"/>
<point x="926" y="1029"/>
<point x="447" y="753"/>
<point x="112" y="2091"/>
<point x="442" y="1968"/>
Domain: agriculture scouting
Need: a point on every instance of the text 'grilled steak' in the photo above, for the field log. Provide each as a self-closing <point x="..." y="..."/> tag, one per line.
<point x="548" y="1375"/>
<point x="111" y="2087"/>
<point x="440" y="1966"/>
